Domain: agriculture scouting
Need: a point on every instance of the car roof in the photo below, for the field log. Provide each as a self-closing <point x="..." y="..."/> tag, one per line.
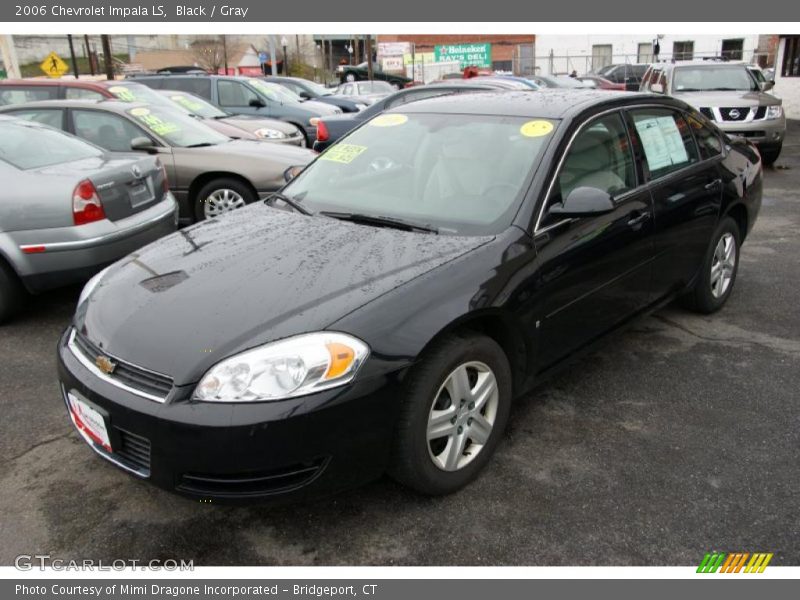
<point x="105" y="104"/>
<point x="550" y="103"/>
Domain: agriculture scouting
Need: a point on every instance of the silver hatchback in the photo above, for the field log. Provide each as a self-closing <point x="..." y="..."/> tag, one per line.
<point x="730" y="95"/>
<point x="70" y="208"/>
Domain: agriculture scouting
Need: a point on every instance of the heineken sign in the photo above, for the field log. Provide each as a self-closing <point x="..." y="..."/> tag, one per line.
<point x="478" y="55"/>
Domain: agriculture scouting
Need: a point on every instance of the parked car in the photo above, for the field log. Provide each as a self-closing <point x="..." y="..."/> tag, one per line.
<point x="19" y="91"/>
<point x="630" y="75"/>
<point x="360" y="72"/>
<point x="331" y="129"/>
<point x="209" y="173"/>
<point x="420" y="275"/>
<point x="601" y="83"/>
<point x="730" y="95"/>
<point x="366" y="92"/>
<point x="502" y="82"/>
<point x="246" y="96"/>
<point x="553" y="81"/>
<point x="308" y="90"/>
<point x="69" y="209"/>
<point x="246" y="127"/>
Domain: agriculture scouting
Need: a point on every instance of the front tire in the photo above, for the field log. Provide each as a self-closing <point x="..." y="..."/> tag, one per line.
<point x="715" y="281"/>
<point x="455" y="407"/>
<point x="11" y="292"/>
<point x="220" y="196"/>
<point x="770" y="154"/>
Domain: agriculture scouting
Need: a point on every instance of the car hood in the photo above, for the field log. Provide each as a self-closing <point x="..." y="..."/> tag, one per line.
<point x="727" y="99"/>
<point x="253" y="123"/>
<point x="252" y="149"/>
<point x="258" y="274"/>
<point x="321" y="108"/>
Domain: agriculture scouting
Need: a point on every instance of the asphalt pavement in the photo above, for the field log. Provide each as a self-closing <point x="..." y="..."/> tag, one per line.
<point x="680" y="437"/>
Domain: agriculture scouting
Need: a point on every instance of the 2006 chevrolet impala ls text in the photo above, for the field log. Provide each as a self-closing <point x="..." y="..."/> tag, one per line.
<point x="383" y="310"/>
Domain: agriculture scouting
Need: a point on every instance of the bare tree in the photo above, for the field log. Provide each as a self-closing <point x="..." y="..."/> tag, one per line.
<point x="209" y="52"/>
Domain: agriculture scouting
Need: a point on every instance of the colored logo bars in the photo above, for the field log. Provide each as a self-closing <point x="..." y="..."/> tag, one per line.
<point x="734" y="562"/>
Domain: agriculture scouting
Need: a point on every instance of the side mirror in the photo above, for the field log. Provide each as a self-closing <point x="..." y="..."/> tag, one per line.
<point x="656" y="88"/>
<point x="292" y="172"/>
<point x="257" y="103"/>
<point x="144" y="144"/>
<point x="305" y="95"/>
<point x="766" y="85"/>
<point x="583" y="202"/>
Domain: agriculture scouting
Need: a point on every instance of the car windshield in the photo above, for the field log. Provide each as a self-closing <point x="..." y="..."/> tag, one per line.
<point x="318" y="89"/>
<point x="194" y="105"/>
<point x="462" y="174"/>
<point x="31" y="147"/>
<point x="135" y="92"/>
<point x="275" y="91"/>
<point x="176" y="127"/>
<point x="711" y="79"/>
<point x="374" y="87"/>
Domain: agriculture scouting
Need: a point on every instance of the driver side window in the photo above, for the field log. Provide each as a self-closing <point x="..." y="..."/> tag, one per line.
<point x="599" y="157"/>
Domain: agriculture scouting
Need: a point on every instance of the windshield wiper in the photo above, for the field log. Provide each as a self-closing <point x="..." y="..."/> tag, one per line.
<point x="200" y="145"/>
<point x="291" y="202"/>
<point x="381" y="221"/>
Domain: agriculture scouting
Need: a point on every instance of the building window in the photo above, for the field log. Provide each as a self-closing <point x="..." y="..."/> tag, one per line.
<point x="790" y="66"/>
<point x="683" y="50"/>
<point x="601" y="56"/>
<point x="644" y="53"/>
<point x="733" y="49"/>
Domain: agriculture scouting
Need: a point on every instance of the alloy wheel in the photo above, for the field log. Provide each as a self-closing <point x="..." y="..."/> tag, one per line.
<point x="462" y="416"/>
<point x="723" y="265"/>
<point x="222" y="201"/>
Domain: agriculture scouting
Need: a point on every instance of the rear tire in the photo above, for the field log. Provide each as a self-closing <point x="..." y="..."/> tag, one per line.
<point x="455" y="407"/>
<point x="717" y="275"/>
<point x="220" y="196"/>
<point x="11" y="292"/>
<point x="770" y="154"/>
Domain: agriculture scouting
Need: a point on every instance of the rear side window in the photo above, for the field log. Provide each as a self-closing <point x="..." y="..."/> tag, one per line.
<point x="76" y="93"/>
<point x="707" y="139"/>
<point x="21" y="94"/>
<point x="666" y="139"/>
<point x="54" y="117"/>
<point x="196" y="85"/>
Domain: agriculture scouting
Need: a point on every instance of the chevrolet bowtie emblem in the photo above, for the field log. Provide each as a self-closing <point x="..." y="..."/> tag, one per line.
<point x="105" y="364"/>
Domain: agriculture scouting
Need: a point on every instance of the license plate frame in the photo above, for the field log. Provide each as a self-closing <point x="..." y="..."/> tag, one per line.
<point x="90" y="420"/>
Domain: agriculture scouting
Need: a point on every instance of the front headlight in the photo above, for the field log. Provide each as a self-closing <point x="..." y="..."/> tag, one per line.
<point x="774" y="112"/>
<point x="296" y="366"/>
<point x="90" y="285"/>
<point x="271" y="134"/>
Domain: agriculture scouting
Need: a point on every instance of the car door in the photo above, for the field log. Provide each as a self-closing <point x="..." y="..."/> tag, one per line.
<point x="595" y="272"/>
<point x="235" y="97"/>
<point x="686" y="187"/>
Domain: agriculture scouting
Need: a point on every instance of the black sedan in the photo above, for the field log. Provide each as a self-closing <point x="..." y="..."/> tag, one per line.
<point x="360" y="72"/>
<point x="383" y="312"/>
<point x="329" y="130"/>
<point x="308" y="90"/>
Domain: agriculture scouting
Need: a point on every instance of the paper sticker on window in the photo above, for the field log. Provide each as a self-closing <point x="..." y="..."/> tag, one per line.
<point x="390" y="120"/>
<point x="662" y="142"/>
<point x="155" y="124"/>
<point x="536" y="128"/>
<point x="123" y="93"/>
<point x="186" y="102"/>
<point x="343" y="153"/>
<point x="140" y="112"/>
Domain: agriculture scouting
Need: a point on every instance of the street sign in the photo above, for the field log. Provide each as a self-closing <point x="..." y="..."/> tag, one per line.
<point x="468" y="55"/>
<point x="53" y="66"/>
<point x="263" y="58"/>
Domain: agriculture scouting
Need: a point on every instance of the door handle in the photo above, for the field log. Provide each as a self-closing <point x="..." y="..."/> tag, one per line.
<point x="713" y="185"/>
<point x="638" y="217"/>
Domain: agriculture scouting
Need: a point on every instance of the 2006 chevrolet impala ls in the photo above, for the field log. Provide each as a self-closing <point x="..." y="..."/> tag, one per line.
<point x="383" y="310"/>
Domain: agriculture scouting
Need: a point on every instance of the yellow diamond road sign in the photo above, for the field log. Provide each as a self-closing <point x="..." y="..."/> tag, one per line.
<point x="53" y="66"/>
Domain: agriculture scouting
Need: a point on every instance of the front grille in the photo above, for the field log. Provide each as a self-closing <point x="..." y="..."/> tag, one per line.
<point x="134" y="377"/>
<point x="264" y="483"/>
<point x="707" y="113"/>
<point x="135" y="449"/>
<point x="734" y="113"/>
<point x="751" y="134"/>
<point x="761" y="112"/>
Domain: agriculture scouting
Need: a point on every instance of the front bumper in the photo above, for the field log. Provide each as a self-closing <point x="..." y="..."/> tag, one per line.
<point x="72" y="254"/>
<point x="299" y="447"/>
<point x="760" y="132"/>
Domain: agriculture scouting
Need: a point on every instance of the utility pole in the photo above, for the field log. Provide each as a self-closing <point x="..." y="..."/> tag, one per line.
<point x="284" y="43"/>
<point x="9" y="56"/>
<point x="356" y="50"/>
<point x="89" y="54"/>
<point x="370" y="74"/>
<point x="108" y="58"/>
<point x="72" y="55"/>
<point x="297" y="47"/>
<point x="273" y="51"/>
<point x="225" y="53"/>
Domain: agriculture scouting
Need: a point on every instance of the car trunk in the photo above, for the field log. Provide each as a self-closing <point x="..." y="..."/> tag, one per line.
<point x="129" y="188"/>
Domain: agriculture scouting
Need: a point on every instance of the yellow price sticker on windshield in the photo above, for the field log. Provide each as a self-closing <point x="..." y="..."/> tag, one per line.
<point x="343" y="153"/>
<point x="536" y="128"/>
<point x="390" y="120"/>
<point x="140" y="112"/>
<point x="123" y="93"/>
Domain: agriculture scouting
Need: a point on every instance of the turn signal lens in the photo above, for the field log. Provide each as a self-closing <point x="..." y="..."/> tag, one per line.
<point x="341" y="358"/>
<point x="323" y="135"/>
<point x="86" y="205"/>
